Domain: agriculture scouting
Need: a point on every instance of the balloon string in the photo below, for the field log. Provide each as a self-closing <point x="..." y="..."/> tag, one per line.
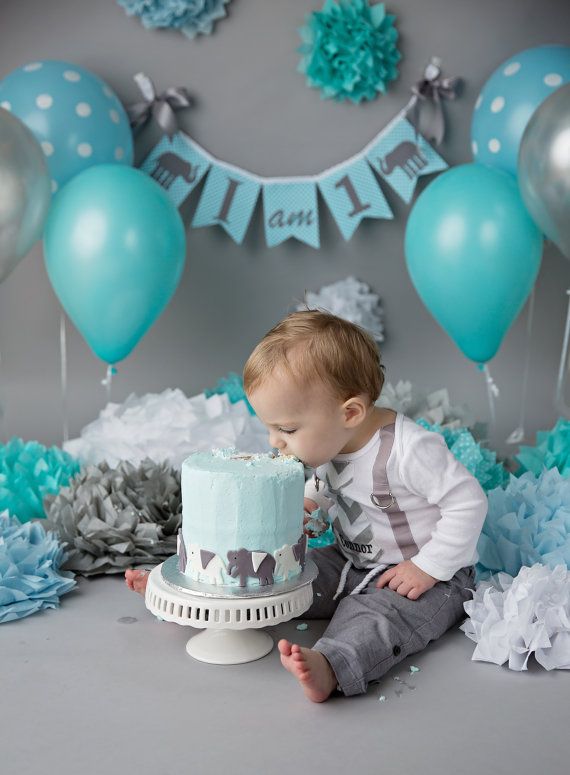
<point x="519" y="432"/>
<point x="63" y="372"/>
<point x="111" y="371"/>
<point x="564" y="366"/>
<point x="492" y="393"/>
<point x="3" y="434"/>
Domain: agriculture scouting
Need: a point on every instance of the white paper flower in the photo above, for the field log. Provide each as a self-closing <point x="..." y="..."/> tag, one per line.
<point x="510" y="619"/>
<point x="435" y="407"/>
<point x="352" y="300"/>
<point x="167" y="426"/>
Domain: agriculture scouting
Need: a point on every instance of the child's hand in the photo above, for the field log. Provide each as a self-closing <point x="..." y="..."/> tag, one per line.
<point x="407" y="580"/>
<point x="310" y="505"/>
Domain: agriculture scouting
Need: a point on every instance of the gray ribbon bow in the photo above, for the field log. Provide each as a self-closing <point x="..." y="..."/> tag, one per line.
<point x="161" y="107"/>
<point x="432" y="88"/>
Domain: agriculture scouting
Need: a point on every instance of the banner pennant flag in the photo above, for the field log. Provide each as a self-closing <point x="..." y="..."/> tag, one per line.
<point x="228" y="199"/>
<point x="352" y="193"/>
<point x="178" y="165"/>
<point x="290" y="210"/>
<point x="401" y="157"/>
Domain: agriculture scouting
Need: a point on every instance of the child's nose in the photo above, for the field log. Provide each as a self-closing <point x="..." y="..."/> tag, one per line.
<point x="276" y="441"/>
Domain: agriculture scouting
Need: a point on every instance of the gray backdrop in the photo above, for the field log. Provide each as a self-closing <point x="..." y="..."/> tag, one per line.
<point x="254" y="110"/>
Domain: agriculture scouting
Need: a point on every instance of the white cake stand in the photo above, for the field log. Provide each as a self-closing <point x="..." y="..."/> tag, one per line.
<point x="231" y="617"/>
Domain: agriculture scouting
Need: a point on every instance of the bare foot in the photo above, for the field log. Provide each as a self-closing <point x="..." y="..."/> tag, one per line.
<point x="137" y="580"/>
<point x="310" y="668"/>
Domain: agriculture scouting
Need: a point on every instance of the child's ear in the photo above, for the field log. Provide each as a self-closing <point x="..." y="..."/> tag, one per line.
<point x="354" y="410"/>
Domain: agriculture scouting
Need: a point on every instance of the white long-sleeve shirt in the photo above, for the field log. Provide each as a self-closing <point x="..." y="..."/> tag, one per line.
<point x="441" y="506"/>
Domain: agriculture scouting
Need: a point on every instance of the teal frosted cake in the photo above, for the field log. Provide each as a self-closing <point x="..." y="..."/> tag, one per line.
<point x="242" y="518"/>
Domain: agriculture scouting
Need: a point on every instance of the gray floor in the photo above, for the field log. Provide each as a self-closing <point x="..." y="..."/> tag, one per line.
<point x="84" y="693"/>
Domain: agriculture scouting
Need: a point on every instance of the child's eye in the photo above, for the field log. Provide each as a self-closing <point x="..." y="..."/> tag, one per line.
<point x="284" y="430"/>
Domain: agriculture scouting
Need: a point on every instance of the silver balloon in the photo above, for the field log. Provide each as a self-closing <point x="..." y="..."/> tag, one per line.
<point x="25" y="191"/>
<point x="544" y="167"/>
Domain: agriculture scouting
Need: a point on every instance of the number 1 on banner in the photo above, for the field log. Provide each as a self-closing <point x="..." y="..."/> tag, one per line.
<point x="352" y="193"/>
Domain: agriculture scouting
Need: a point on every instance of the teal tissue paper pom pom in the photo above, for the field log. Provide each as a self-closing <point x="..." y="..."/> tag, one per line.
<point x="232" y="386"/>
<point x="28" y="472"/>
<point x="527" y="522"/>
<point x="193" y="17"/>
<point x="30" y="559"/>
<point x="349" y="50"/>
<point x="552" y="450"/>
<point x="480" y="462"/>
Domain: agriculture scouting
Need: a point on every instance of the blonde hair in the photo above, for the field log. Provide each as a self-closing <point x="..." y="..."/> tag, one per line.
<point x="314" y="343"/>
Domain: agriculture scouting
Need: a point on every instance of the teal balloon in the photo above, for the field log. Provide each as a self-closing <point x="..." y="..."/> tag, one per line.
<point x="508" y="100"/>
<point x="473" y="254"/>
<point x="114" y="247"/>
<point x="75" y="116"/>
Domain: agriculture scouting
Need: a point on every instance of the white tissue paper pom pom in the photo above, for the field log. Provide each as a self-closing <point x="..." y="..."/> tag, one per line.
<point x="510" y="619"/>
<point x="352" y="300"/>
<point x="167" y="427"/>
<point x="436" y="408"/>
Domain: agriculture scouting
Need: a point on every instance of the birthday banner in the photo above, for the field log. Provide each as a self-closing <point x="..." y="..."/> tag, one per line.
<point x="398" y="155"/>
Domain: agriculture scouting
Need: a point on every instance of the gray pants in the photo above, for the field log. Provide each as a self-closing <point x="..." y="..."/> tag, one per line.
<point x="371" y="632"/>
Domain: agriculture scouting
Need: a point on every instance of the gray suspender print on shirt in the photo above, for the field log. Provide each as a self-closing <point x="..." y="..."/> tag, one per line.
<point x="383" y="499"/>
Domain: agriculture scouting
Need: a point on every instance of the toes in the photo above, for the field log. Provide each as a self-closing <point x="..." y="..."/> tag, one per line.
<point x="284" y="647"/>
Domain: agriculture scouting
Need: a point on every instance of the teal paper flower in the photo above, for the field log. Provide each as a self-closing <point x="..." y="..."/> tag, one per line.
<point x="28" y="472"/>
<point x="30" y="579"/>
<point x="480" y="462"/>
<point x="552" y="450"/>
<point x="192" y="17"/>
<point x="349" y="50"/>
<point x="528" y="521"/>
<point x="232" y="386"/>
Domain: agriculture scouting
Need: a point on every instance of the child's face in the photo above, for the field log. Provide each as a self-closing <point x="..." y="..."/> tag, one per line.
<point x="306" y="422"/>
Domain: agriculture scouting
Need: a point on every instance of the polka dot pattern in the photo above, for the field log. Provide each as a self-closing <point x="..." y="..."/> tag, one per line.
<point x="82" y="121"/>
<point x="498" y="104"/>
<point x="44" y="101"/>
<point x="510" y="97"/>
<point x="84" y="150"/>
<point x="83" y="109"/>
<point x="553" y="79"/>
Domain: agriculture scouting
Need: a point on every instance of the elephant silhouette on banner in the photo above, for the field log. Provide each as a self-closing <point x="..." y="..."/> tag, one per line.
<point x="407" y="156"/>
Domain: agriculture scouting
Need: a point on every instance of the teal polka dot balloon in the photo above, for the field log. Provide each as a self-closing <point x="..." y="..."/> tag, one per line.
<point x="508" y="100"/>
<point x="76" y="117"/>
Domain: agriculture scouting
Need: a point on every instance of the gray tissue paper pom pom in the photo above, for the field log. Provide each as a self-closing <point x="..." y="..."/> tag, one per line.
<point x="115" y="518"/>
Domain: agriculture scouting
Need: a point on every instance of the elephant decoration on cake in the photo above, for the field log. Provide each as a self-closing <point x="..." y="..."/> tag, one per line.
<point x="181" y="552"/>
<point x="245" y="564"/>
<point x="300" y="550"/>
<point x="204" y="563"/>
<point x="285" y="562"/>
<point x="290" y="559"/>
<point x="407" y="156"/>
